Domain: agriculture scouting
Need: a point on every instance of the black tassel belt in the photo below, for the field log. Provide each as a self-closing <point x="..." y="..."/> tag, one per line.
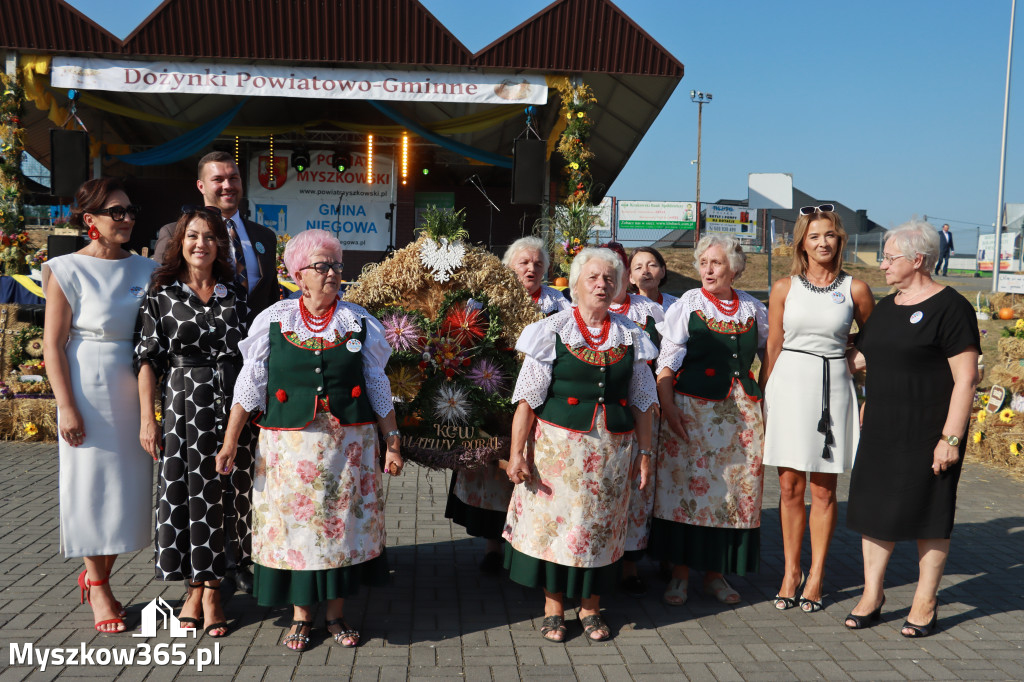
<point x="825" y="423"/>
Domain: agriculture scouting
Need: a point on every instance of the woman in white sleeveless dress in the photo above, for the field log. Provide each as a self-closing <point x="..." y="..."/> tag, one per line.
<point x="811" y="424"/>
<point x="106" y="478"/>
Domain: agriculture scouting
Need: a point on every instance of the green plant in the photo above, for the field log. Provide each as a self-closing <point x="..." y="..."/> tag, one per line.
<point x="443" y="223"/>
<point x="566" y="231"/>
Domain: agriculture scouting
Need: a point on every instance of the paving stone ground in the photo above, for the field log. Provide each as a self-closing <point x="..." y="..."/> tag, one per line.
<point x="440" y="619"/>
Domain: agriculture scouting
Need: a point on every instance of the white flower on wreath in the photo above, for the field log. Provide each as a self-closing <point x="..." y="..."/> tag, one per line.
<point x="442" y="258"/>
<point x="452" y="404"/>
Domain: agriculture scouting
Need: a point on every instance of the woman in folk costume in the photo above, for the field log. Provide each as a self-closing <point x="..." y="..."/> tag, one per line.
<point x="478" y="499"/>
<point x="707" y="499"/>
<point x="648" y="273"/>
<point x="647" y="314"/>
<point x="584" y="398"/>
<point x="316" y="366"/>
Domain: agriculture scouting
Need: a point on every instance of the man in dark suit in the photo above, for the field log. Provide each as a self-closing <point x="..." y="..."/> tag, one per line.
<point x="945" y="250"/>
<point x="220" y="183"/>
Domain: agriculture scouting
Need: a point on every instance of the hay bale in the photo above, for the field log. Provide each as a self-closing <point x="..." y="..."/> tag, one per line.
<point x="18" y="413"/>
<point x="9" y="327"/>
<point x="996" y="442"/>
<point x="1011" y="348"/>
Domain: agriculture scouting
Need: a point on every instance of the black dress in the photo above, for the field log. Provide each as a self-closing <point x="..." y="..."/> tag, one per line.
<point x="894" y="495"/>
<point x="193" y="347"/>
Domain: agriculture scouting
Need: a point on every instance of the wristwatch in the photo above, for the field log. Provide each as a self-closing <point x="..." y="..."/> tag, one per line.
<point x="952" y="440"/>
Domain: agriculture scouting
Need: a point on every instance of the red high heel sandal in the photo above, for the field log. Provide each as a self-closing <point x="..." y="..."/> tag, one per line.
<point x="85" y="585"/>
<point x="121" y="611"/>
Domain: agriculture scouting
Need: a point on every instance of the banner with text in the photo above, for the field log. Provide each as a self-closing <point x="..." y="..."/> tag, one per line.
<point x="343" y="203"/>
<point x="737" y="221"/>
<point x="657" y="215"/>
<point x="266" y="80"/>
<point x="987" y="251"/>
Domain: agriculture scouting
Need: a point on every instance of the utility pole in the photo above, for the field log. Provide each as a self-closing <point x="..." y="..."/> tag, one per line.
<point x="700" y="99"/>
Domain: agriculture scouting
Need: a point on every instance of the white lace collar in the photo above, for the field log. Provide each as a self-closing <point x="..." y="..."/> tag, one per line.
<point x="548" y="300"/>
<point x="564" y="325"/>
<point x="347" y="317"/>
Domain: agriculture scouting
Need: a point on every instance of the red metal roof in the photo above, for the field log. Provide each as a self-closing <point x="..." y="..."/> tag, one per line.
<point x="581" y="36"/>
<point x="51" y="26"/>
<point x="352" y="31"/>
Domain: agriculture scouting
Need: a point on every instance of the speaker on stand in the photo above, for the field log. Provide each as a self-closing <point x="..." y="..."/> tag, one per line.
<point x="69" y="157"/>
<point x="528" y="171"/>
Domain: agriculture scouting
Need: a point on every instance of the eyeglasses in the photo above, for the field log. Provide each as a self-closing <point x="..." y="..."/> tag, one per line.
<point x="887" y="259"/>
<point x="119" y="213"/>
<point x="324" y="267"/>
<point x="191" y="208"/>
<point x="811" y="210"/>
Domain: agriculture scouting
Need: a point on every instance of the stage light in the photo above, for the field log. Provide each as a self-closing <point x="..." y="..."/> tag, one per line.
<point x="236" y="150"/>
<point x="341" y="161"/>
<point x="271" y="166"/>
<point x="300" y="159"/>
<point x="426" y="171"/>
<point x="405" y="158"/>
<point x="369" y="159"/>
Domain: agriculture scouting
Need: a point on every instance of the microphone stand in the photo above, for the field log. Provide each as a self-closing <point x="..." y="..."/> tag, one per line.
<point x="474" y="180"/>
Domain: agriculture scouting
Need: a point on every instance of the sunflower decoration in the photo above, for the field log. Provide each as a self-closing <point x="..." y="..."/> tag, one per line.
<point x="1016" y="448"/>
<point x="452" y="314"/>
<point x="981" y="416"/>
<point x="1006" y="415"/>
<point x="978" y="436"/>
<point x="31" y="429"/>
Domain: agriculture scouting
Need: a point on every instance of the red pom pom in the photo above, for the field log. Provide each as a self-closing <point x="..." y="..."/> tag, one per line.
<point x="281" y="395"/>
<point x="622" y="401"/>
<point x="573" y="401"/>
<point x="356" y="392"/>
<point x="709" y="372"/>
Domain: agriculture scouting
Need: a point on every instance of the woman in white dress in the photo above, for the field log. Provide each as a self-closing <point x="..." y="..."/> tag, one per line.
<point x="648" y="273"/>
<point x="106" y="478"/>
<point x="478" y="500"/>
<point x="811" y="433"/>
<point x="584" y="398"/>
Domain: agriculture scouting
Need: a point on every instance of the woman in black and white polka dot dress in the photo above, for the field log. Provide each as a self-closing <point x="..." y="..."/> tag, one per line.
<point x="189" y="327"/>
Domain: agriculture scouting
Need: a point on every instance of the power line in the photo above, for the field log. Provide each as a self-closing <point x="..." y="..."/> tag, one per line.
<point x="976" y="223"/>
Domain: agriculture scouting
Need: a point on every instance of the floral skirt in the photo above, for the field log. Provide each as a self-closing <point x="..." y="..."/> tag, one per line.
<point x="715" y="479"/>
<point x="574" y="511"/>
<point x="317" y="500"/>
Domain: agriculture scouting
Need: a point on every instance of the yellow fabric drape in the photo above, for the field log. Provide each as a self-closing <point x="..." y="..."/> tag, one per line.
<point x="28" y="283"/>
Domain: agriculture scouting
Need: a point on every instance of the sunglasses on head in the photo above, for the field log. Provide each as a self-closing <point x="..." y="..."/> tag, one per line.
<point x="119" y="213"/>
<point x="323" y="267"/>
<point x="189" y="209"/>
<point x="811" y="210"/>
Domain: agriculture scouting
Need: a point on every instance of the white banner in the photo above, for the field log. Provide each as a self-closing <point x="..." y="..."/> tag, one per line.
<point x="321" y="198"/>
<point x="296" y="81"/>
<point x="737" y="221"/>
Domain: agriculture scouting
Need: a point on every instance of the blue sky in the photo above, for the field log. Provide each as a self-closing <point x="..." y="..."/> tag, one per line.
<point x="893" y="107"/>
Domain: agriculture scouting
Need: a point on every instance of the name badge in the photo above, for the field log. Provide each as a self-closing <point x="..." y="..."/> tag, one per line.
<point x="916" y="317"/>
<point x="354" y="345"/>
<point x="838" y="297"/>
<point x="137" y="291"/>
<point x="220" y="291"/>
<point x="259" y="247"/>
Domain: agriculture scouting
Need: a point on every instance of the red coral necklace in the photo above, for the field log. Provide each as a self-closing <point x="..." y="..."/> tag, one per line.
<point x="592" y="340"/>
<point x="624" y="308"/>
<point x="729" y="308"/>
<point x="316" y="323"/>
<point x="536" y="295"/>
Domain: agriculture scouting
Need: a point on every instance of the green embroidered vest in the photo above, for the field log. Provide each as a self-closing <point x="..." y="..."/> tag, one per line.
<point x="301" y="372"/>
<point x="717" y="354"/>
<point x="582" y="380"/>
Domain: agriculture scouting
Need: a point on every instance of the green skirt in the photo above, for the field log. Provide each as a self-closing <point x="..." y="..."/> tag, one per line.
<point x="571" y="581"/>
<point x="480" y="523"/>
<point x="726" y="550"/>
<point x="280" y="587"/>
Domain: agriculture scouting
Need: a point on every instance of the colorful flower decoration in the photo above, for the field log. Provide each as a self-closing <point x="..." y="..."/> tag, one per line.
<point x="487" y="376"/>
<point x="34" y="347"/>
<point x="401" y="332"/>
<point x="978" y="436"/>
<point x="405" y="382"/>
<point x="1016" y="448"/>
<point x="981" y="416"/>
<point x="1006" y="415"/>
<point x="452" y="404"/>
<point x="31" y="429"/>
<point x="464" y="324"/>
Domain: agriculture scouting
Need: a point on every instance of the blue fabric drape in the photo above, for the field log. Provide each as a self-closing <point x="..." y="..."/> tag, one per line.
<point x="446" y="142"/>
<point x="185" y="145"/>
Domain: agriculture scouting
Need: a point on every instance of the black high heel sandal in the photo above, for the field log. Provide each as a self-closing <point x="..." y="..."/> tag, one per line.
<point x="196" y="623"/>
<point x="862" y="622"/>
<point x="786" y="603"/>
<point x="921" y="630"/>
